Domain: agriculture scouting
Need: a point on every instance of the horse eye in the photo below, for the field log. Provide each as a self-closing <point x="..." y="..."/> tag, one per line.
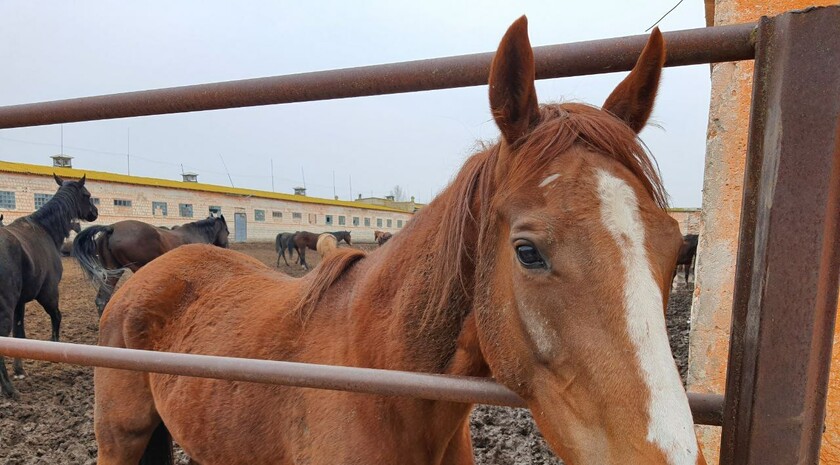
<point x="529" y="256"/>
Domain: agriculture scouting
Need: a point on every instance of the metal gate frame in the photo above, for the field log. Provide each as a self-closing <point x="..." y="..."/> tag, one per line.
<point x="788" y="264"/>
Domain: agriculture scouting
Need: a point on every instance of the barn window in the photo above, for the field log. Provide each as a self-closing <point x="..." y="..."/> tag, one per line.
<point x="41" y="199"/>
<point x="328" y="220"/>
<point x="277" y="215"/>
<point x="122" y="203"/>
<point x="341" y="220"/>
<point x="390" y="222"/>
<point x="379" y="222"/>
<point x="313" y="218"/>
<point x="367" y="222"/>
<point x="95" y="200"/>
<point x="355" y="221"/>
<point x="7" y="200"/>
<point x="158" y="208"/>
<point x="297" y="215"/>
<point x="185" y="210"/>
<point x="259" y="215"/>
<point x="399" y="223"/>
<point x="215" y="210"/>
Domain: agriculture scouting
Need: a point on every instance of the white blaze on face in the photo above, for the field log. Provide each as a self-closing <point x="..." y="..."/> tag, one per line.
<point x="671" y="427"/>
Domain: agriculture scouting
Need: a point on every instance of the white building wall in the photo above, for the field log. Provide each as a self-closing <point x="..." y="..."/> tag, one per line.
<point x="26" y="185"/>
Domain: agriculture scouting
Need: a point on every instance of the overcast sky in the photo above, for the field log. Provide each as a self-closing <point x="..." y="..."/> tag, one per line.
<point x="58" y="50"/>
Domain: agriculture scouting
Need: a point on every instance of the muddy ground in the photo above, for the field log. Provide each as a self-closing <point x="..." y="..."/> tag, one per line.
<point x="52" y="423"/>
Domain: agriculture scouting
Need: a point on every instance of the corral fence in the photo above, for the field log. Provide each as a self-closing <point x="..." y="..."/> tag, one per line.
<point x="788" y="261"/>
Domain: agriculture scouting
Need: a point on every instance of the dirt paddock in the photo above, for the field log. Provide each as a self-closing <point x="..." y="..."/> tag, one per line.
<point x="52" y="423"/>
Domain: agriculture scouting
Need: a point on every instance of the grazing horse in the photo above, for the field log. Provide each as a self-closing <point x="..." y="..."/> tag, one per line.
<point x="506" y="274"/>
<point x="688" y="252"/>
<point x="105" y="252"/>
<point x="326" y="244"/>
<point x="281" y="244"/>
<point x="300" y="242"/>
<point x="381" y="237"/>
<point x="30" y="264"/>
<point x="342" y="236"/>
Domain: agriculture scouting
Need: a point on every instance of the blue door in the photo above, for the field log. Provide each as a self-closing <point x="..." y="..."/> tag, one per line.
<point x="240" y="227"/>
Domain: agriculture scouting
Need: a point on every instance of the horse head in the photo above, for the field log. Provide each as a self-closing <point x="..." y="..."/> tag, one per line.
<point x="567" y="190"/>
<point x="346" y="236"/>
<point x="85" y="209"/>
<point x="221" y="232"/>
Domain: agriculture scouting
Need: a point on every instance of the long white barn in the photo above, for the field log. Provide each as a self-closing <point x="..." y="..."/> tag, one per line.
<point x="252" y="215"/>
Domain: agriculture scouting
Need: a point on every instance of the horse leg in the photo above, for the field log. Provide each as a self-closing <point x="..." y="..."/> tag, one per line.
<point x="103" y="296"/>
<point x="124" y="418"/>
<point x="5" y="328"/>
<point x="19" y="332"/>
<point x="302" y="257"/>
<point x="49" y="300"/>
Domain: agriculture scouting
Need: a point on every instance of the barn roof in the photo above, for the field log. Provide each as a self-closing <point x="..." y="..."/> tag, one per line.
<point x="40" y="170"/>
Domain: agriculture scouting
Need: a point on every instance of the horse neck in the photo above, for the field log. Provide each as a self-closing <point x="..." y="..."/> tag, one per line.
<point x="55" y="217"/>
<point x="401" y="281"/>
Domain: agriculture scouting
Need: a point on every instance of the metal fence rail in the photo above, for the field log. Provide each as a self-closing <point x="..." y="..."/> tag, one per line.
<point x="689" y="47"/>
<point x="707" y="408"/>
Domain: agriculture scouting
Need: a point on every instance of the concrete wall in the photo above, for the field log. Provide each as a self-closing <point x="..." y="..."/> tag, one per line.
<point x="313" y="216"/>
<point x="719" y="223"/>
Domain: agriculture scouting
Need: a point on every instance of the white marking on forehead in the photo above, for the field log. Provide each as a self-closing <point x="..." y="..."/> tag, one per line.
<point x="671" y="426"/>
<point x="549" y="179"/>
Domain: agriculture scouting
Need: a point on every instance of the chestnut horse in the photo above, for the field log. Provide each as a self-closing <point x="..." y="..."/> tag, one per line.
<point x="509" y="273"/>
<point x="105" y="252"/>
<point x="381" y="237"/>
<point x="326" y="244"/>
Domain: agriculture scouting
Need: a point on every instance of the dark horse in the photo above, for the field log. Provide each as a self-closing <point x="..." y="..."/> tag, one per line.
<point x="281" y="245"/>
<point x="67" y="246"/>
<point x="131" y="244"/>
<point x="30" y="264"/>
<point x="688" y="251"/>
<point x="300" y="240"/>
<point x="342" y="236"/>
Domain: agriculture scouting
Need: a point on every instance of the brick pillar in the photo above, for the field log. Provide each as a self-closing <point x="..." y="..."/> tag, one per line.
<point x="722" y="193"/>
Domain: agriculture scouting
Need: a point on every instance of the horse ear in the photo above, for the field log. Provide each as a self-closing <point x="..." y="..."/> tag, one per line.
<point x="82" y="181"/>
<point x="513" y="97"/>
<point x="632" y="100"/>
<point x="58" y="180"/>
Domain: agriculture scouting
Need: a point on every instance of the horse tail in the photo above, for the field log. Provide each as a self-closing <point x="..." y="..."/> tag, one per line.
<point x="159" y="449"/>
<point x="84" y="250"/>
<point x="327" y="273"/>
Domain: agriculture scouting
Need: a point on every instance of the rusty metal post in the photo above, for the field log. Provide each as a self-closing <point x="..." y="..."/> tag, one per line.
<point x="693" y="46"/>
<point x="789" y="251"/>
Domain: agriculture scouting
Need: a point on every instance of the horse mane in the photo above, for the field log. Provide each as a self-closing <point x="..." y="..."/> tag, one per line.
<point x="205" y="227"/>
<point x="325" y="275"/>
<point x="56" y="215"/>
<point x="468" y="196"/>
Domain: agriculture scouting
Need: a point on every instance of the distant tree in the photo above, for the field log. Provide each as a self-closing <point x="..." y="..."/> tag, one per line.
<point x="398" y="193"/>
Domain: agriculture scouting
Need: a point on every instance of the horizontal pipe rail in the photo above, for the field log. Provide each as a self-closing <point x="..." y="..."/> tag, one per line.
<point x="707" y="408"/>
<point x="688" y="47"/>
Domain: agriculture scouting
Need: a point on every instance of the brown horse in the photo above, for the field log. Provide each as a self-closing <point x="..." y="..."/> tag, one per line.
<point x="300" y="242"/>
<point x="105" y="252"/>
<point x="506" y="274"/>
<point x="326" y="244"/>
<point x="67" y="247"/>
<point x="381" y="237"/>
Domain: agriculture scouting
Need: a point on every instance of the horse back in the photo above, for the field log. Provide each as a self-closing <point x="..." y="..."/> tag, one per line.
<point x="29" y="257"/>
<point x="190" y="300"/>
